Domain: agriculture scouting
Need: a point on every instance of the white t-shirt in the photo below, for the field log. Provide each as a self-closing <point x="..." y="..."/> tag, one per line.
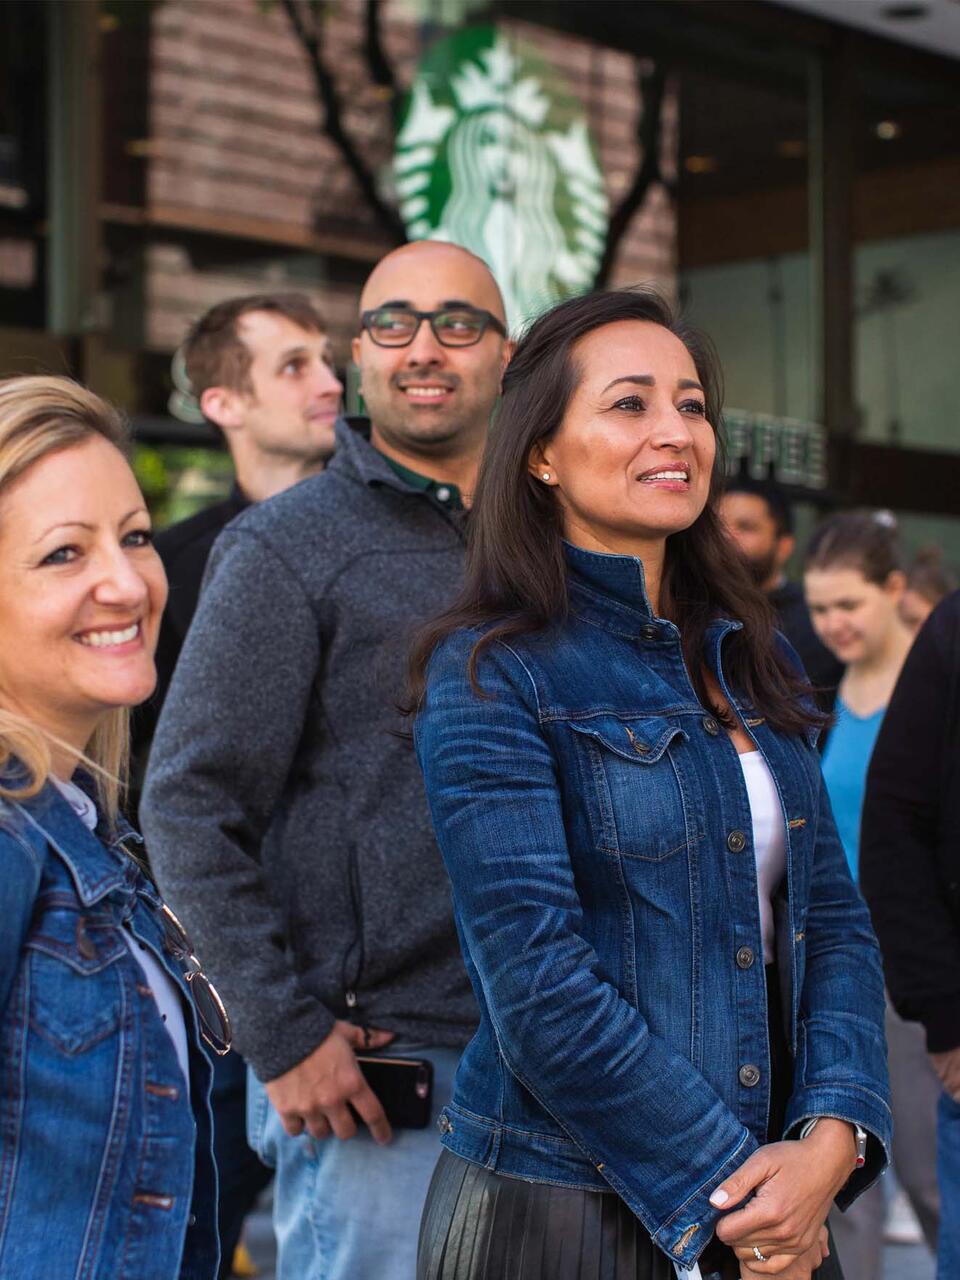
<point x="769" y="840"/>
<point x="165" y="990"/>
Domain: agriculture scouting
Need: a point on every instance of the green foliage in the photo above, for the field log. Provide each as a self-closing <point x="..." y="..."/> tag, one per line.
<point x="177" y="480"/>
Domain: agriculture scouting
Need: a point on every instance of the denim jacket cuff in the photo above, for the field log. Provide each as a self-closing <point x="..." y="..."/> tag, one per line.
<point x="857" y="1106"/>
<point x="686" y="1233"/>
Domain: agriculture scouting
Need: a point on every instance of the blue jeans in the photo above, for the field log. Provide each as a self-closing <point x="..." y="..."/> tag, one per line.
<point x="345" y="1210"/>
<point x="948" y="1171"/>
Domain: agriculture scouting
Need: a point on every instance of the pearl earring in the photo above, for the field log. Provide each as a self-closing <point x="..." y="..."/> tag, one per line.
<point x="546" y="475"/>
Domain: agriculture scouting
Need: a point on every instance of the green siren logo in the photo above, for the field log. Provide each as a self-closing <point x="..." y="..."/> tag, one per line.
<point x="493" y="153"/>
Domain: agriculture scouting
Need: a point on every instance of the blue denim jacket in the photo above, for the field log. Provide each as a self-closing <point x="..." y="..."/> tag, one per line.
<point x="106" y="1168"/>
<point x="597" y="831"/>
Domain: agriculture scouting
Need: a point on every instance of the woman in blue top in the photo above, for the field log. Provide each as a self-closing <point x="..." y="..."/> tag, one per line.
<point x="679" y="1063"/>
<point x="854" y="583"/>
<point x="105" y="1158"/>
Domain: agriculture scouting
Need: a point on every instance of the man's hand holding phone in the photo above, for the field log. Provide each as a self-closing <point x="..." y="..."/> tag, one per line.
<point x="316" y="1096"/>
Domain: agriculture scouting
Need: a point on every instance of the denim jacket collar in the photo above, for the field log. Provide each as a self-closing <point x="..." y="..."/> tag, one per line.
<point x="80" y="849"/>
<point x="610" y="591"/>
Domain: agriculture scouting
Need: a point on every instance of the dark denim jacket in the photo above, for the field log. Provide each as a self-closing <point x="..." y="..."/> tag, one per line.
<point x="597" y="831"/>
<point x="106" y="1168"/>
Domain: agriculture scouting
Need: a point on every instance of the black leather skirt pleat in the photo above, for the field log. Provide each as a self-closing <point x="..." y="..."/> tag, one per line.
<point x="479" y="1225"/>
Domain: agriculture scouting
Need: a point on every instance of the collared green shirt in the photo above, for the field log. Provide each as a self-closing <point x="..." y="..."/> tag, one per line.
<point x="448" y="495"/>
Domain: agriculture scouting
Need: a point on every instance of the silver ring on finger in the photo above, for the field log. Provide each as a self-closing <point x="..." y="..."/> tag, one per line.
<point x="760" y="1257"/>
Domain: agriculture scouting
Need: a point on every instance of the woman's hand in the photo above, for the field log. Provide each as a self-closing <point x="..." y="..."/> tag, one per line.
<point x="785" y="1266"/>
<point x="793" y="1185"/>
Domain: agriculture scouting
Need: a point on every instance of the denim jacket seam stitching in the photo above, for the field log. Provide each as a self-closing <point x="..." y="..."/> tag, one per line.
<point x="848" y="1084"/>
<point x="605" y="626"/>
<point x="527" y="672"/>
<point x="99" y="886"/>
<point x="23" y="1022"/>
<point x="548" y="1109"/>
<point x="119" y="1111"/>
<point x="618" y="713"/>
<point x="548" y="1181"/>
<point x="717" y="1175"/>
<point x="489" y="1123"/>
<point x="668" y="853"/>
<point x="33" y="854"/>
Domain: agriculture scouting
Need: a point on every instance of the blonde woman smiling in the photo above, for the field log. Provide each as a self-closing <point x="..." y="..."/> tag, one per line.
<point x="105" y="1161"/>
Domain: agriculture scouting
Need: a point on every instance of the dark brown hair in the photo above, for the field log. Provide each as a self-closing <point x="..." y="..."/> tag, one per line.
<point x="863" y="540"/>
<point x="929" y="576"/>
<point x="214" y="353"/>
<point x="516" y="573"/>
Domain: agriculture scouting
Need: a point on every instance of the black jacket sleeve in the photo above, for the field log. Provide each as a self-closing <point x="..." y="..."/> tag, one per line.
<point x="905" y="850"/>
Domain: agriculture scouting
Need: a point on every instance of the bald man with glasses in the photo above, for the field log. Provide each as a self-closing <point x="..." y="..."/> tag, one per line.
<point x="285" y="816"/>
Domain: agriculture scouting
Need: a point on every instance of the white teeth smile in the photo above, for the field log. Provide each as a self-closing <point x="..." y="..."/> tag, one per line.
<point x="667" y="475"/>
<point x="426" y="393"/>
<point x="103" y="639"/>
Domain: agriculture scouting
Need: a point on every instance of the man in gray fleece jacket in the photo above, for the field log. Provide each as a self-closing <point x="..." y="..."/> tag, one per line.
<point x="285" y="817"/>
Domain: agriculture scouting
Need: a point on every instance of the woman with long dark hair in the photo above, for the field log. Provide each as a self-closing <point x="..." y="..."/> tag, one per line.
<point x="680" y="1060"/>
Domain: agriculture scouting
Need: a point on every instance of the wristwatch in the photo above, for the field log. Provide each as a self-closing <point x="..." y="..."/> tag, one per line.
<point x="859" y="1133"/>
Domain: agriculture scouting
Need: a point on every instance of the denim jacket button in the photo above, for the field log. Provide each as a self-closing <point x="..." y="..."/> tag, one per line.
<point x="745" y="957"/>
<point x="736" y="842"/>
<point x="711" y="725"/>
<point x="650" y="632"/>
<point x="444" y="1125"/>
<point x="749" y="1075"/>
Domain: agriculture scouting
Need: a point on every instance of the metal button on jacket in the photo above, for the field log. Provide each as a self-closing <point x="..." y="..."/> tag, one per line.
<point x="745" y="957"/>
<point x="749" y="1075"/>
<point x="712" y="726"/>
<point x="650" y="632"/>
<point x="736" y="842"/>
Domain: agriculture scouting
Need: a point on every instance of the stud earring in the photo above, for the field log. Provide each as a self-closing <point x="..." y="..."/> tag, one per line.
<point x="546" y="475"/>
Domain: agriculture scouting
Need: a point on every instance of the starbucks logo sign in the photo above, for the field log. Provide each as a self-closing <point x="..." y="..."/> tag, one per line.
<point x="493" y="153"/>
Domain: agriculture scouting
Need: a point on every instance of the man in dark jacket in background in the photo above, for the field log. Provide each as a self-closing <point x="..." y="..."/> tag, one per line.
<point x="910" y="875"/>
<point x="759" y="518"/>
<point x="285" y="815"/>
<point x="261" y="370"/>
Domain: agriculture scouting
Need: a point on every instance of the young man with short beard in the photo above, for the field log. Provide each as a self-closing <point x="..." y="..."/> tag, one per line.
<point x="759" y="518"/>
<point x="286" y="817"/>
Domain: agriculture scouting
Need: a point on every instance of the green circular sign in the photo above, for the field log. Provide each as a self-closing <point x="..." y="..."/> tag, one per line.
<point x="493" y="153"/>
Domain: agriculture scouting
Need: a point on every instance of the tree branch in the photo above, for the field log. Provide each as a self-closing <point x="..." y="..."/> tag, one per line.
<point x="652" y="87"/>
<point x="333" y="124"/>
<point x="380" y="69"/>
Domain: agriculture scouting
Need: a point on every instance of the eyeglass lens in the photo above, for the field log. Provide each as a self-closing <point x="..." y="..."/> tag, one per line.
<point x="396" y="328"/>
<point x="214" y="1023"/>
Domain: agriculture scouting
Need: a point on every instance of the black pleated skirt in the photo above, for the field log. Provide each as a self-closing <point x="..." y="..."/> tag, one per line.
<point x="481" y="1225"/>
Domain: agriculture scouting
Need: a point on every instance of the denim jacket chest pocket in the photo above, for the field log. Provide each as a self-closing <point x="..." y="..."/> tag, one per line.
<point x="76" y="985"/>
<point x="639" y="787"/>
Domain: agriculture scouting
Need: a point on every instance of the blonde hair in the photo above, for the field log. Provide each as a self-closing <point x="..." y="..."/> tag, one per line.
<point x="40" y="415"/>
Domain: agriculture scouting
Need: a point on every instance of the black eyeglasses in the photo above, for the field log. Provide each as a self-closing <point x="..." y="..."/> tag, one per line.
<point x="214" y="1023"/>
<point x="452" y="327"/>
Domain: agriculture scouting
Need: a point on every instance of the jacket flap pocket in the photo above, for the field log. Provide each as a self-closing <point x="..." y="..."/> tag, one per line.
<point x="85" y="942"/>
<point x="642" y="738"/>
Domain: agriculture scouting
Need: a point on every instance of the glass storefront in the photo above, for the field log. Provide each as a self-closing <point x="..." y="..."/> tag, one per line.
<point x="696" y="146"/>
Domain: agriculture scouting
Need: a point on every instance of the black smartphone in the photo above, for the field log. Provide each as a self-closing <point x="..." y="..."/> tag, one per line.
<point x="404" y="1087"/>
